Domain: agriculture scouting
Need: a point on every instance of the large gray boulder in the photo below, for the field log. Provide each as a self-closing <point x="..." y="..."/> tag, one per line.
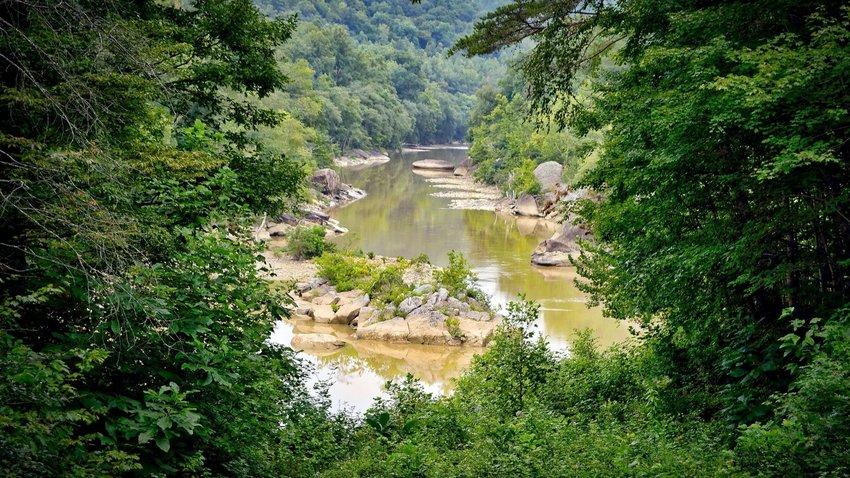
<point x="548" y="174"/>
<point x="437" y="164"/>
<point x="526" y="205"/>
<point x="327" y="180"/>
<point x="348" y="312"/>
<point x="557" y="250"/>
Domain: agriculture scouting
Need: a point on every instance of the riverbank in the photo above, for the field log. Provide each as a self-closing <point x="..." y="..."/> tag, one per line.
<point x="552" y="205"/>
<point x="401" y="217"/>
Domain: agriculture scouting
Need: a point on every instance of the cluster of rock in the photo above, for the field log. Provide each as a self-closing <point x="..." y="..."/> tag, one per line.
<point x="359" y="158"/>
<point x="335" y="192"/>
<point x="427" y="316"/>
<point x="549" y="203"/>
<point x="330" y="192"/>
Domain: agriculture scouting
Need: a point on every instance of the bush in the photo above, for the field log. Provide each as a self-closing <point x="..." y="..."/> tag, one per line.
<point x="388" y="287"/>
<point x="308" y="242"/>
<point x="523" y="180"/>
<point x="421" y="259"/>
<point x="344" y="272"/>
<point x="458" y="277"/>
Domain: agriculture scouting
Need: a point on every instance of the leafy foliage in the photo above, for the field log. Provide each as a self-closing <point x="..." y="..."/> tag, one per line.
<point x="458" y="277"/>
<point x="307" y="242"/>
<point x="134" y="324"/>
<point x="724" y="168"/>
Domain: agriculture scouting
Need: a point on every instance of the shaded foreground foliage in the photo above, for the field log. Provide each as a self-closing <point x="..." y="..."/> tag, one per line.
<point x="134" y="321"/>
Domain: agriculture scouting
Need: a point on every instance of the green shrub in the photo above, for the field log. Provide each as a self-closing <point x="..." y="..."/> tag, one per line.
<point x="421" y="259"/>
<point x="458" y="277"/>
<point x="453" y="324"/>
<point x="523" y="180"/>
<point x="308" y="242"/>
<point x="388" y="287"/>
<point x="344" y="272"/>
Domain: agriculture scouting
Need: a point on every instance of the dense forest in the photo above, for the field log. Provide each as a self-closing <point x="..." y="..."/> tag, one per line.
<point x="377" y="74"/>
<point x="141" y="140"/>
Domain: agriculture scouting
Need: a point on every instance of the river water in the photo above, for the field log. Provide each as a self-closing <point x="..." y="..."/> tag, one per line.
<point x="399" y="217"/>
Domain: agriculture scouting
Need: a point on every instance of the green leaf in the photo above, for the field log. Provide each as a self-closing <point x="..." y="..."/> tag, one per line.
<point x="145" y="437"/>
<point x="164" y="423"/>
<point x="163" y="443"/>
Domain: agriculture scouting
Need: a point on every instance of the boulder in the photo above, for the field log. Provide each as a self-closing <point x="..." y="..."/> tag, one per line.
<point x="423" y="289"/>
<point x="393" y="330"/>
<point x="434" y="164"/>
<point x="556" y="251"/>
<point x="348" y="312"/>
<point x="526" y="205"/>
<point x="287" y="218"/>
<point x="302" y="307"/>
<point x="548" y="174"/>
<point x="329" y="299"/>
<point x="316" y="342"/>
<point x="461" y="171"/>
<point x="327" y="180"/>
<point x="409" y="304"/>
<point x="323" y="314"/>
<point x="423" y="330"/>
<point x="316" y="216"/>
<point x="279" y="230"/>
<point x="478" y="333"/>
<point x="364" y="316"/>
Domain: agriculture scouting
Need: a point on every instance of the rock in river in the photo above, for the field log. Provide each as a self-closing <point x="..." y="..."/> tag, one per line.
<point x="548" y="174"/>
<point x="556" y="251"/>
<point x="316" y="342"/>
<point x="526" y="205"/>
<point x="327" y="180"/>
<point x="437" y="164"/>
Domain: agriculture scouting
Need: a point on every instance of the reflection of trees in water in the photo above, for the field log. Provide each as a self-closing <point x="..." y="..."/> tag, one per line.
<point x="509" y="243"/>
<point x="497" y="238"/>
<point x="399" y="217"/>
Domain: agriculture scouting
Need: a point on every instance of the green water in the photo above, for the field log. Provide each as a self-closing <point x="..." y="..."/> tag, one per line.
<point x="399" y="217"/>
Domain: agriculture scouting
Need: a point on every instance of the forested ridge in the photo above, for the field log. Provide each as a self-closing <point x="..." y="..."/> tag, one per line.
<point x="377" y="74"/>
<point x="140" y="142"/>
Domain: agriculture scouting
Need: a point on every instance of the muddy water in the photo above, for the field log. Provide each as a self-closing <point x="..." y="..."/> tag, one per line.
<point x="399" y="217"/>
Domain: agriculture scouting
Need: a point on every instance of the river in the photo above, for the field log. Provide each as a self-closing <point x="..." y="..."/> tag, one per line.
<point x="400" y="217"/>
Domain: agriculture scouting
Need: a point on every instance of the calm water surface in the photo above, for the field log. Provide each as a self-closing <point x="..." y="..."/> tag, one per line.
<point x="400" y="218"/>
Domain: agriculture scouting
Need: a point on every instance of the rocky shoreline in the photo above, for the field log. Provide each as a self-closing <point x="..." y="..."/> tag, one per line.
<point x="329" y="192"/>
<point x="552" y="204"/>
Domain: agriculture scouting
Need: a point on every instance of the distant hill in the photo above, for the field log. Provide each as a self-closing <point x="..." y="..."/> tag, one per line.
<point x="387" y="59"/>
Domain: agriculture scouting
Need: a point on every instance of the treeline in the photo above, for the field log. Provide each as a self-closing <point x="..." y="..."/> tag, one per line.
<point x="509" y="140"/>
<point x="380" y="72"/>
